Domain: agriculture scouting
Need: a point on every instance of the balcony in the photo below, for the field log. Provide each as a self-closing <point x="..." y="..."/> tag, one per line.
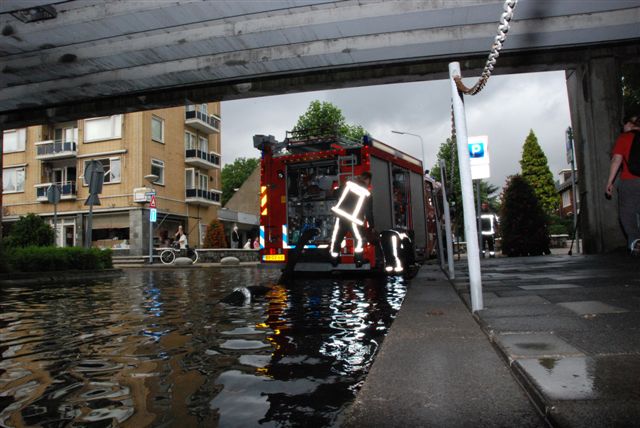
<point x="48" y="150"/>
<point x="205" y="123"/>
<point x="202" y="197"/>
<point x="198" y="158"/>
<point x="67" y="191"/>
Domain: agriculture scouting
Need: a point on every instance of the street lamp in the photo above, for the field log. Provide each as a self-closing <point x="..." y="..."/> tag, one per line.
<point x="151" y="178"/>
<point x="421" y="145"/>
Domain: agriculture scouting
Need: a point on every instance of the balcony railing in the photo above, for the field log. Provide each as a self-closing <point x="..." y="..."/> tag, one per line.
<point x="201" y="159"/>
<point x="67" y="190"/>
<point x="207" y="123"/>
<point x="202" y="197"/>
<point x="56" y="149"/>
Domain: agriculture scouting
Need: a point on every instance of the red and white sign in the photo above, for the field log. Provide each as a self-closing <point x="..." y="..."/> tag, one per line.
<point x="152" y="204"/>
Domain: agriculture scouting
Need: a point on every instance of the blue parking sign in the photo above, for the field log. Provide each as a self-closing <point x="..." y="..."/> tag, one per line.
<point x="476" y="149"/>
<point x="153" y="215"/>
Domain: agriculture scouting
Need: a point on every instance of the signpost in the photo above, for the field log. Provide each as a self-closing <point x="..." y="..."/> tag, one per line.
<point x="53" y="196"/>
<point x="479" y="161"/>
<point x="94" y="177"/>
<point x="153" y="216"/>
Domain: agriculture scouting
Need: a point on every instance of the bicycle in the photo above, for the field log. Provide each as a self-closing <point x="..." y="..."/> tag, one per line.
<point x="168" y="255"/>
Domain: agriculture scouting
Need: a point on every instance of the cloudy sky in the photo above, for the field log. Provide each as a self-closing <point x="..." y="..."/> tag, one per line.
<point x="505" y="111"/>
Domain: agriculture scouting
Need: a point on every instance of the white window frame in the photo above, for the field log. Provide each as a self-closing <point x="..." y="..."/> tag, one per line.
<point x="203" y="144"/>
<point x="199" y="179"/>
<point x="203" y="108"/>
<point x="115" y="123"/>
<point x="155" y="118"/>
<point x="158" y="164"/>
<point x="21" y="140"/>
<point x="190" y="140"/>
<point x="15" y="170"/>
<point x="189" y="172"/>
<point x="566" y="199"/>
<point x="106" y="171"/>
<point x="64" y="130"/>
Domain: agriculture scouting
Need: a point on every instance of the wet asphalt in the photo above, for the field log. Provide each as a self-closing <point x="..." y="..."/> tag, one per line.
<point x="557" y="343"/>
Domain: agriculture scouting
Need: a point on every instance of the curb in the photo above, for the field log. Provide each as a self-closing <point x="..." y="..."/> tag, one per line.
<point x="61" y="276"/>
<point x="535" y="395"/>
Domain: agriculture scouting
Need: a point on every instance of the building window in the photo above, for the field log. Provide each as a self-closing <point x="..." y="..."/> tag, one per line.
<point x="566" y="199"/>
<point x="204" y="144"/>
<point x="14" y="140"/>
<point x="112" y="170"/>
<point x="189" y="141"/>
<point x="157" y="168"/>
<point x="194" y="179"/>
<point x="65" y="134"/>
<point x="13" y="180"/>
<point x="157" y="129"/>
<point x="203" y="108"/>
<point x="103" y="128"/>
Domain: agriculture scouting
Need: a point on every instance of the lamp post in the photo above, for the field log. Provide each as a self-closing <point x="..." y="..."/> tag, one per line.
<point x="151" y="178"/>
<point x="421" y="145"/>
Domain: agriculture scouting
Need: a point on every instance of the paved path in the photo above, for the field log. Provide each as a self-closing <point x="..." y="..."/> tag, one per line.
<point x="566" y="327"/>
<point x="437" y="368"/>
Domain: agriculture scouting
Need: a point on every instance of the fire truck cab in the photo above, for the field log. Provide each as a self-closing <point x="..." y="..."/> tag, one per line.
<point x="300" y="182"/>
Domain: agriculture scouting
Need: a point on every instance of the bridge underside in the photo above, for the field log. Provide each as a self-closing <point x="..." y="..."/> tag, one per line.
<point x="95" y="58"/>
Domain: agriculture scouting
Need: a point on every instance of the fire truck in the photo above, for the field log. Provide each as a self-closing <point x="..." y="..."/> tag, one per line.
<point x="300" y="179"/>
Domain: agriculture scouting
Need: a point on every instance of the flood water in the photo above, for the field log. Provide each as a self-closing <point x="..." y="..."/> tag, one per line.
<point x="156" y="348"/>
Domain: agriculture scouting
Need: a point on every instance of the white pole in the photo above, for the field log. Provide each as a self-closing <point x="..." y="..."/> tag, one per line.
<point x="466" y="184"/>
<point x="447" y="223"/>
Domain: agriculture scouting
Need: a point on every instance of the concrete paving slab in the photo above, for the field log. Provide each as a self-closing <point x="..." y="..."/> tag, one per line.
<point x="591" y="307"/>
<point x="535" y="345"/>
<point x="548" y="286"/>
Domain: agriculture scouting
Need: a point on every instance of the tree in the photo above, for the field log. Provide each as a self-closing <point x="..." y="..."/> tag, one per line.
<point x="325" y="117"/>
<point x="30" y="230"/>
<point x="234" y="174"/>
<point x="535" y="170"/>
<point x="448" y="152"/>
<point x="215" y="236"/>
<point x="523" y="222"/>
<point x="631" y="88"/>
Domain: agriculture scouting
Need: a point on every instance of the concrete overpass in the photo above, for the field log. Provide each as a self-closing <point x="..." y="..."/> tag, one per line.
<point x="64" y="60"/>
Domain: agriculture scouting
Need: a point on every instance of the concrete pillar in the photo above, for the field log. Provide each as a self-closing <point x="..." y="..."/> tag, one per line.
<point x="139" y="232"/>
<point x="595" y="101"/>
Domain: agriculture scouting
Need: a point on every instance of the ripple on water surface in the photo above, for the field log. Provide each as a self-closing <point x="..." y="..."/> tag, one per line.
<point x="156" y="348"/>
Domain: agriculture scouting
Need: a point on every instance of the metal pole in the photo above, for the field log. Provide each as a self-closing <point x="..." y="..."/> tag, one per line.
<point x="436" y="207"/>
<point x="573" y="189"/>
<point x="447" y="224"/>
<point x="479" y="213"/>
<point x="466" y="184"/>
<point x="150" y="239"/>
<point x="88" y="235"/>
<point x="55" y="224"/>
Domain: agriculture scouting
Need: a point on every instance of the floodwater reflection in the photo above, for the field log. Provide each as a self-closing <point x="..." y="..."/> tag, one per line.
<point x="157" y="348"/>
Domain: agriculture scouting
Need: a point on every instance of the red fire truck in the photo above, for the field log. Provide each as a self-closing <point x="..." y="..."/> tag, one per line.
<point x="299" y="180"/>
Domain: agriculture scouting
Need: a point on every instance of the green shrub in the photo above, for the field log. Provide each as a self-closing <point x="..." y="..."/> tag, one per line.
<point x="30" y="230"/>
<point x="42" y="259"/>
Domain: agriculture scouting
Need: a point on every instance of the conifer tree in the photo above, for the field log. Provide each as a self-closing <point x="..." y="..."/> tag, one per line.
<point x="523" y="223"/>
<point x="535" y="169"/>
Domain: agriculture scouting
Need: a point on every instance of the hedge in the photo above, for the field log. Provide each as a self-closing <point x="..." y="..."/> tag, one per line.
<point x="42" y="259"/>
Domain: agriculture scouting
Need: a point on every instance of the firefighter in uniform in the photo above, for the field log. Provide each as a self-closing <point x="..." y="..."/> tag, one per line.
<point x="353" y="214"/>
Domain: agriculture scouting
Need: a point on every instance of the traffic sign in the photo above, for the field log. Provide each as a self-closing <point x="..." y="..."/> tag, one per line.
<point x="53" y="194"/>
<point x="153" y="215"/>
<point x="152" y="203"/>
<point x="479" y="157"/>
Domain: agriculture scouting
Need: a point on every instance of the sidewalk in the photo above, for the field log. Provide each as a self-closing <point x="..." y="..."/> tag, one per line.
<point x="437" y="368"/>
<point x="569" y="327"/>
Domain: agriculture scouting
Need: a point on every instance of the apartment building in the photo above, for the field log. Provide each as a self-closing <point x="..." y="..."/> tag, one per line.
<point x="179" y="146"/>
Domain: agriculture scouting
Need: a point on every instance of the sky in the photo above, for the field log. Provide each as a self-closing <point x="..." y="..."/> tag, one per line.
<point x="505" y="110"/>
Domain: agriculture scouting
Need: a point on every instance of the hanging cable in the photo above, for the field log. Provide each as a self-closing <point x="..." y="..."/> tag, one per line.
<point x="498" y="41"/>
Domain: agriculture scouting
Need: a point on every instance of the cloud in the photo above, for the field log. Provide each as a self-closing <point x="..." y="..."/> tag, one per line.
<point x="506" y="110"/>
